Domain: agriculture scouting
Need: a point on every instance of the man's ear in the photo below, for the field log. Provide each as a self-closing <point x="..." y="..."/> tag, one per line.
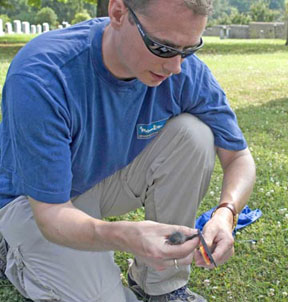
<point x="116" y="11"/>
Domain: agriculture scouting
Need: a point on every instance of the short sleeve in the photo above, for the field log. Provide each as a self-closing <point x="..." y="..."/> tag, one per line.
<point x="203" y="97"/>
<point x="37" y="127"/>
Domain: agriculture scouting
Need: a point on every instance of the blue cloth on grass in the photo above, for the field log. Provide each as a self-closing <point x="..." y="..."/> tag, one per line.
<point x="246" y="217"/>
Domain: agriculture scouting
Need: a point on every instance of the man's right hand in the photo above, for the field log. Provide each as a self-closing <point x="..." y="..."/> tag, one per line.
<point x="148" y="241"/>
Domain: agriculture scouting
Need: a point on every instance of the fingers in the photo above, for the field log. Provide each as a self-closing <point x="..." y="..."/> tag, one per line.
<point x="184" y="261"/>
<point x="173" y="263"/>
<point x="200" y="262"/>
<point x="182" y="258"/>
<point x="181" y="242"/>
<point x="181" y="250"/>
<point x="183" y="254"/>
<point x="221" y="250"/>
<point x="177" y="263"/>
<point x="155" y="250"/>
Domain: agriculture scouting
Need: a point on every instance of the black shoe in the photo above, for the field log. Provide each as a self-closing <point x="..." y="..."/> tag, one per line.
<point x="183" y="294"/>
<point x="3" y="254"/>
<point x="136" y="289"/>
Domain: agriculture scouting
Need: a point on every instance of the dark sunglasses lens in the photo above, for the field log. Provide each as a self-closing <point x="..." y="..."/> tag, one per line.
<point x="171" y="54"/>
<point x="164" y="54"/>
<point x="168" y="53"/>
<point x="160" y="52"/>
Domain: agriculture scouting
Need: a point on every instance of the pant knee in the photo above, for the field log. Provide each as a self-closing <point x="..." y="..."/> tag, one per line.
<point x="197" y="135"/>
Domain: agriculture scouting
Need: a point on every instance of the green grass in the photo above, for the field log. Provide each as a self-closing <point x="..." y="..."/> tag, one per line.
<point x="240" y="46"/>
<point x="254" y="75"/>
<point x="16" y="39"/>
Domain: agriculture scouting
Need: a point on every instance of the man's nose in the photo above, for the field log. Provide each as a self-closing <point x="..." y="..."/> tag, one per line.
<point x="173" y="65"/>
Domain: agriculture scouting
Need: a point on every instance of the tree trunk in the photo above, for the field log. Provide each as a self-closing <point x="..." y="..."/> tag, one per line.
<point x="102" y="8"/>
<point x="286" y="32"/>
<point x="286" y="15"/>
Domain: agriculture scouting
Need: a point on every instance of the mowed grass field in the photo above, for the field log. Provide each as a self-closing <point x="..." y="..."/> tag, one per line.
<point x="254" y="74"/>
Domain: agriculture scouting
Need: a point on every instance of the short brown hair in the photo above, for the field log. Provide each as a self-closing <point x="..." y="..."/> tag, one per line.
<point x="199" y="7"/>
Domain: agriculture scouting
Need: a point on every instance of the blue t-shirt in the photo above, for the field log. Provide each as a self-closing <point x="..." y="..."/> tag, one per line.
<point x="68" y="123"/>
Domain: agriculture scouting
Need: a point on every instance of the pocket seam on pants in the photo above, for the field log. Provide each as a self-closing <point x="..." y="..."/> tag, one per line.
<point x="129" y="191"/>
<point x="23" y="269"/>
<point x="18" y="264"/>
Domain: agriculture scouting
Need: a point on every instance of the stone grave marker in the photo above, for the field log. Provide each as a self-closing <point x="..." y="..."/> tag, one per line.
<point x="39" y="29"/>
<point x="17" y="27"/>
<point x="9" y="29"/>
<point x="45" y="27"/>
<point x="1" y="28"/>
<point x="33" y="29"/>
<point x="26" y="27"/>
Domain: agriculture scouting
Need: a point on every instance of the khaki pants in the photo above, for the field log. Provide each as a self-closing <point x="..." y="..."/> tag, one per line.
<point x="169" y="178"/>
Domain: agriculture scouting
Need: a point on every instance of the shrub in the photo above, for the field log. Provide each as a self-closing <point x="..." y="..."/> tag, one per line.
<point x="25" y="16"/>
<point x="240" y="18"/>
<point x="79" y="17"/>
<point x="5" y="19"/>
<point x="47" y="14"/>
<point x="224" y="19"/>
<point x="260" y="11"/>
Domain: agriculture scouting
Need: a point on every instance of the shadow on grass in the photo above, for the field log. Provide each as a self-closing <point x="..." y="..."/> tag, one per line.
<point x="266" y="125"/>
<point x="8" y="51"/>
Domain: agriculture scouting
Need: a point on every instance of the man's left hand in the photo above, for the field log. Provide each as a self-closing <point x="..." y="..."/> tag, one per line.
<point x="218" y="236"/>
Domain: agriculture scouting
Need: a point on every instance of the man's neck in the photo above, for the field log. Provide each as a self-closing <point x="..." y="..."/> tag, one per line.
<point x="110" y="56"/>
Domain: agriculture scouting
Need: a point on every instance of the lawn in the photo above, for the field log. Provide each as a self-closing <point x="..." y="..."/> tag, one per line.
<point x="254" y="74"/>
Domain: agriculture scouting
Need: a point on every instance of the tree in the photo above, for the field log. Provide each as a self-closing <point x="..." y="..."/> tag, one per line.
<point x="102" y="8"/>
<point x="18" y="10"/>
<point x="220" y="8"/>
<point x="241" y="5"/>
<point x="5" y="18"/>
<point x="260" y="11"/>
<point x="286" y="17"/>
<point x="4" y="3"/>
<point x="277" y="4"/>
<point x="37" y="3"/>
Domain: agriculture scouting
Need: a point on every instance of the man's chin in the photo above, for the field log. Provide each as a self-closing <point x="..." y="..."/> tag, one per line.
<point x="152" y="82"/>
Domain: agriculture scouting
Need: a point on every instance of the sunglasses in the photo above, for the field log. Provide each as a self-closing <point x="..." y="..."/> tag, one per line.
<point x="159" y="49"/>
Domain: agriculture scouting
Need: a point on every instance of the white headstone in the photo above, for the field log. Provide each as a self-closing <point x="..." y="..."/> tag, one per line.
<point x="17" y="27"/>
<point x="9" y="29"/>
<point x="39" y="29"/>
<point x="65" y="24"/>
<point x="222" y="35"/>
<point x="45" y="27"/>
<point x="33" y="29"/>
<point x="26" y="27"/>
<point x="228" y="32"/>
<point x="1" y="28"/>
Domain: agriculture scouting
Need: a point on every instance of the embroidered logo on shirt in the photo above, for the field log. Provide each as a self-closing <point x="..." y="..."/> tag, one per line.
<point x="145" y="131"/>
